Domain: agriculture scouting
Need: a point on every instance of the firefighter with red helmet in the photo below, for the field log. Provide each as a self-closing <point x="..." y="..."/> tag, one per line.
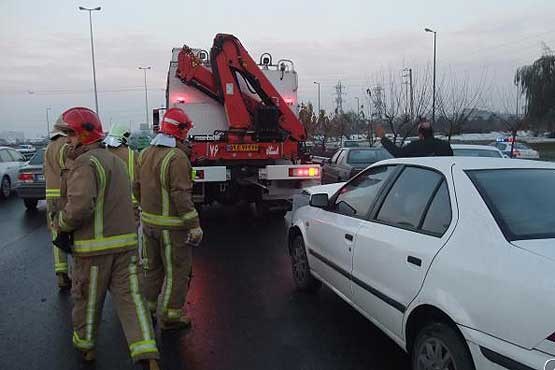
<point x="97" y="221"/>
<point x="163" y="186"/>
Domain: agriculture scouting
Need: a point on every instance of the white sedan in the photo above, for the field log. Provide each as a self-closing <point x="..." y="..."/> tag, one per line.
<point x="451" y="257"/>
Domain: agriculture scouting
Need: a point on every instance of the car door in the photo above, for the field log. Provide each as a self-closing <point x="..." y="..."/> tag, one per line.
<point x="329" y="172"/>
<point x="7" y="165"/>
<point x="331" y="232"/>
<point x="394" y="250"/>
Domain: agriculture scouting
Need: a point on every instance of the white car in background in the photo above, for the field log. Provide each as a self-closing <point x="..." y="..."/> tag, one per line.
<point x="468" y="150"/>
<point x="10" y="163"/>
<point x="520" y="151"/>
<point x="451" y="257"/>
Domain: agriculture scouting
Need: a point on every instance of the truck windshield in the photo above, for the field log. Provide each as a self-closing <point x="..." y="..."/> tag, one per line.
<point x="521" y="200"/>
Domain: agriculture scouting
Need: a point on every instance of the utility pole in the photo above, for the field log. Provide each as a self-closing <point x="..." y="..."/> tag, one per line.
<point x="434" y="83"/>
<point x="146" y="95"/>
<point x="378" y="101"/>
<point x="358" y="114"/>
<point x="47" y="123"/>
<point x="319" y="109"/>
<point x="90" y="10"/>
<point x="409" y="70"/>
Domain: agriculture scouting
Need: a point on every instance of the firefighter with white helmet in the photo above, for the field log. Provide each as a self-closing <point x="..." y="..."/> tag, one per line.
<point x="117" y="141"/>
<point x="54" y="162"/>
<point x="97" y="224"/>
<point x="170" y="221"/>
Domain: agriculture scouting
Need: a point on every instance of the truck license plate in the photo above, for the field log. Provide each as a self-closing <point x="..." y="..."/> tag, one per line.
<point x="242" y="148"/>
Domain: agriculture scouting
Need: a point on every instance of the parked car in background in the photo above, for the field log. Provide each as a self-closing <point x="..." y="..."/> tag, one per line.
<point x="467" y="150"/>
<point x="31" y="185"/>
<point x="27" y="150"/>
<point x="521" y="150"/>
<point x="451" y="257"/>
<point x="347" y="162"/>
<point x="10" y="163"/>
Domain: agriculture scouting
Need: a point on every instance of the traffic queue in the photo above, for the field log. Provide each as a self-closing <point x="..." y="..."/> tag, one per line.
<point x="98" y="192"/>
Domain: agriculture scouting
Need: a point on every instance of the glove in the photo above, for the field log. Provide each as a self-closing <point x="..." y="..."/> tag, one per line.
<point x="64" y="241"/>
<point x="194" y="237"/>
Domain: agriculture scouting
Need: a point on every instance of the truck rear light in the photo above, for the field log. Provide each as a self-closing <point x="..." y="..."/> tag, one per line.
<point x="198" y="174"/>
<point x="304" y="172"/>
<point x="25" y="177"/>
<point x="551" y="338"/>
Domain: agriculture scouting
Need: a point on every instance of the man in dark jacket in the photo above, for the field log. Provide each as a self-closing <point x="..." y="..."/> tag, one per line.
<point x="427" y="146"/>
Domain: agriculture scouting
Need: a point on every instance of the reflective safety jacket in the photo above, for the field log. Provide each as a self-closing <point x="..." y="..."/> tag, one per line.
<point x="54" y="163"/>
<point x="129" y="156"/>
<point x="164" y="186"/>
<point x="98" y="209"/>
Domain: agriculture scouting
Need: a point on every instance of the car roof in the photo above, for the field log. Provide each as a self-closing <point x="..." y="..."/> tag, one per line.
<point x="361" y="148"/>
<point x="444" y="164"/>
<point x="472" y="146"/>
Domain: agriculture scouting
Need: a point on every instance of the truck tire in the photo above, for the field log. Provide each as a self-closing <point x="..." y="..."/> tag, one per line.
<point x="5" y="188"/>
<point x="304" y="281"/>
<point x="437" y="345"/>
<point x="30" y="204"/>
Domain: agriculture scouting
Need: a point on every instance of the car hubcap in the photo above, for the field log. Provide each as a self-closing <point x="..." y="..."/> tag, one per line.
<point x="299" y="263"/>
<point x="6" y="188"/>
<point x="434" y="355"/>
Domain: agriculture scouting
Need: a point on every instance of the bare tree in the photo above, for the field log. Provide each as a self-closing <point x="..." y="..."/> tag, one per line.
<point x="512" y="115"/>
<point x="458" y="99"/>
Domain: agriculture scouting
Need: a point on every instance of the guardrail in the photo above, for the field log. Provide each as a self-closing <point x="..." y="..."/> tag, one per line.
<point x="319" y="160"/>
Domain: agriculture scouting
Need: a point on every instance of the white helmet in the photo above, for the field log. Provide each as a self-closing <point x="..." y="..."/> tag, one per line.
<point x="117" y="136"/>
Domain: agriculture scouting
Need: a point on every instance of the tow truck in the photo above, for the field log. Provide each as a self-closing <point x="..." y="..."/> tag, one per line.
<point x="247" y="140"/>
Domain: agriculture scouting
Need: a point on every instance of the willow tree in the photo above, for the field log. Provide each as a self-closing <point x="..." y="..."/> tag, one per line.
<point x="537" y="82"/>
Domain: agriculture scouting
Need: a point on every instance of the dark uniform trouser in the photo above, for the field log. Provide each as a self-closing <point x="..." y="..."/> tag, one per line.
<point x="167" y="263"/>
<point x="92" y="277"/>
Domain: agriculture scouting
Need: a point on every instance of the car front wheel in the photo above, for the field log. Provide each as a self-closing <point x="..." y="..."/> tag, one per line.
<point x="439" y="347"/>
<point x="5" y="188"/>
<point x="304" y="280"/>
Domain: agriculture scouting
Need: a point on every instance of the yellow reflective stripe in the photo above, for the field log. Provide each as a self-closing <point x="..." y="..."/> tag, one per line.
<point x="168" y="287"/>
<point x="60" y="267"/>
<point x="102" y="244"/>
<point x="159" y="220"/>
<point x="81" y="343"/>
<point x="131" y="164"/>
<point x="190" y="215"/>
<point x="53" y="193"/>
<point x="99" y="206"/>
<point x="144" y="323"/>
<point x="164" y="183"/>
<point x="61" y="155"/>
<point x="142" y="347"/>
<point x="63" y="225"/>
<point x="174" y="314"/>
<point x="91" y="305"/>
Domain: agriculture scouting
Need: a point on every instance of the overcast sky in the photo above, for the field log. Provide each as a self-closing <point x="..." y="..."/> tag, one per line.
<point x="46" y="59"/>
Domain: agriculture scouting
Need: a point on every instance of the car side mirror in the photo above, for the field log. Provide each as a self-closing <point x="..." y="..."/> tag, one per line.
<point x="320" y="200"/>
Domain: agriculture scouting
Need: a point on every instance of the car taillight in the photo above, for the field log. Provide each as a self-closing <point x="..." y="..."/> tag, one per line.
<point x="25" y="177"/>
<point x="551" y="338"/>
<point x="304" y="172"/>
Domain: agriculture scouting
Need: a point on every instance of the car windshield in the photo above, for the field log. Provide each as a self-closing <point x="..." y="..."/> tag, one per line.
<point x="366" y="157"/>
<point x="476" y="153"/>
<point x="37" y="159"/>
<point x="520" y="199"/>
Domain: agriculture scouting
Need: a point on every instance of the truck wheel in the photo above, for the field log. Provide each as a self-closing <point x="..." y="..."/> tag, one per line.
<point x="30" y="204"/>
<point x="5" y="188"/>
<point x="304" y="281"/>
<point x="438" y="346"/>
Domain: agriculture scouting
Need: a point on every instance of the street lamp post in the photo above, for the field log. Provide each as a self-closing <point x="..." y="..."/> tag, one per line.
<point x="434" y="83"/>
<point x="318" y="83"/>
<point x="90" y="10"/>
<point x="47" y="123"/>
<point x="146" y="95"/>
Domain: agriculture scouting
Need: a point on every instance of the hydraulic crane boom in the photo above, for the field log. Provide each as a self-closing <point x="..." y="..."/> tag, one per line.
<point x="268" y="118"/>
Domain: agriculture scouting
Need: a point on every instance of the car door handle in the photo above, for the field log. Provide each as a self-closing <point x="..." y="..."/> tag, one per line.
<point x="414" y="260"/>
<point x="349" y="237"/>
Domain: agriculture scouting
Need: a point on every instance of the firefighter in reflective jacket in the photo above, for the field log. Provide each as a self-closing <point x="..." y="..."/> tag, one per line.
<point x="117" y="141"/>
<point x="54" y="163"/>
<point x="99" y="214"/>
<point x="170" y="222"/>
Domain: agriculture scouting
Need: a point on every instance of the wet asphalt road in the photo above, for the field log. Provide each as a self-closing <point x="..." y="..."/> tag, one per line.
<point x="246" y="313"/>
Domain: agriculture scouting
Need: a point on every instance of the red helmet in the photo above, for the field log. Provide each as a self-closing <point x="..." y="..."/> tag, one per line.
<point x="176" y="123"/>
<point x="83" y="122"/>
